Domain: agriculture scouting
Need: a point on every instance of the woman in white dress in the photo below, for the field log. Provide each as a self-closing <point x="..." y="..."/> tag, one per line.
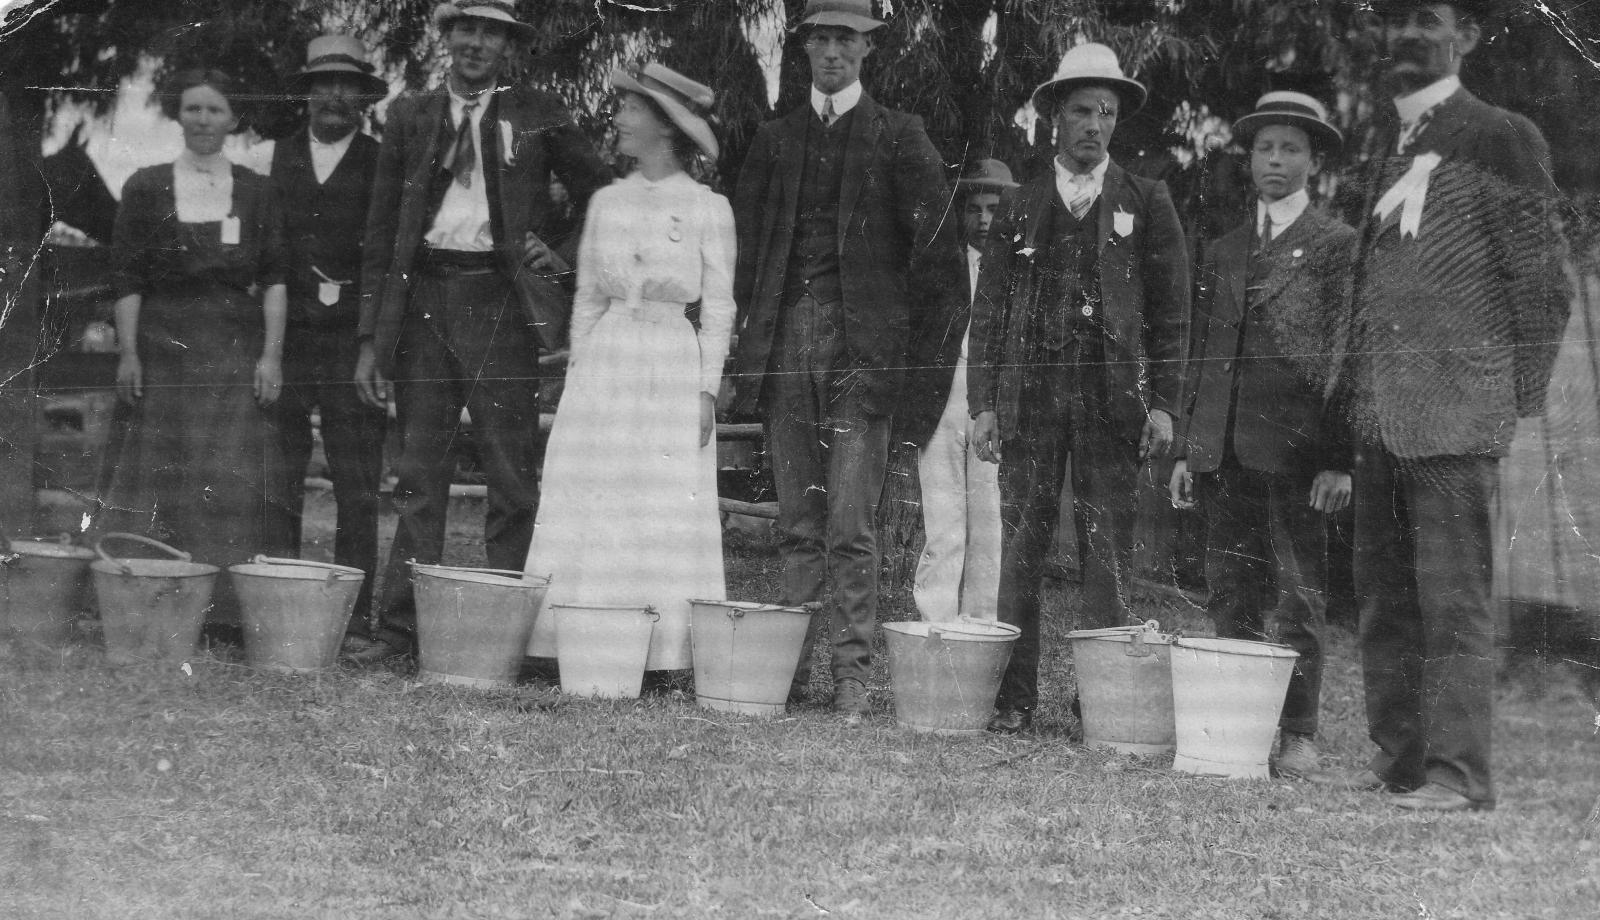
<point x="628" y="514"/>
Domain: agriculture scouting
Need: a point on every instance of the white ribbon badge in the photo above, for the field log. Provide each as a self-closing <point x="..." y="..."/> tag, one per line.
<point x="1408" y="194"/>
<point x="507" y="143"/>
<point x="1122" y="222"/>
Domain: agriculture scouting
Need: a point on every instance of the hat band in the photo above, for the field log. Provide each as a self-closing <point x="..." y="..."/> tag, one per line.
<point x="324" y="59"/>
<point x="502" y="6"/>
<point x="677" y="95"/>
<point x="1285" y="107"/>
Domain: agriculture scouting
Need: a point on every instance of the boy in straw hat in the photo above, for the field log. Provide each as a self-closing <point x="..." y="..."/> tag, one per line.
<point x="1078" y="333"/>
<point x="1460" y="303"/>
<point x="460" y="206"/>
<point x="323" y="177"/>
<point x="1254" y="446"/>
<point x="836" y="202"/>
<point x="958" y="573"/>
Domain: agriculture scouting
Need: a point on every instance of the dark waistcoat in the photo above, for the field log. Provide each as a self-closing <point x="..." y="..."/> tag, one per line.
<point x="814" y="261"/>
<point x="1071" y="279"/>
<point x="323" y="225"/>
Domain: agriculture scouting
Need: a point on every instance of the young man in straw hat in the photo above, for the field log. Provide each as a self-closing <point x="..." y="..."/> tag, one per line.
<point x="958" y="573"/>
<point x="1460" y="303"/>
<point x="323" y="177"/>
<point x="461" y="204"/>
<point x="1254" y="446"/>
<point x="835" y="201"/>
<point x="1078" y="332"/>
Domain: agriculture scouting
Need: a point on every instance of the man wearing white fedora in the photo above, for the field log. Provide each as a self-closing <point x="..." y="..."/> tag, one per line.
<point x="460" y="208"/>
<point x="840" y="204"/>
<point x="323" y="177"/>
<point x="1078" y="333"/>
<point x="958" y="573"/>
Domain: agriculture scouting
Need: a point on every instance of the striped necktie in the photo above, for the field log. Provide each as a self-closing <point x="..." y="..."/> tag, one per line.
<point x="463" y="156"/>
<point x="829" y="116"/>
<point x="1080" y="194"/>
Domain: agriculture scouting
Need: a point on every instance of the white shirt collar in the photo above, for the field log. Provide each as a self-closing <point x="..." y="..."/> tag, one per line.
<point x="458" y="104"/>
<point x="1097" y="177"/>
<point x="1285" y="211"/>
<point x="325" y="158"/>
<point x="843" y="101"/>
<point x="1411" y="107"/>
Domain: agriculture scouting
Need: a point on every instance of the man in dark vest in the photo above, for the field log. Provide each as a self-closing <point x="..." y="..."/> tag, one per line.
<point x="835" y="201"/>
<point x="1078" y="332"/>
<point x="1460" y="304"/>
<point x="323" y="178"/>
<point x="461" y="205"/>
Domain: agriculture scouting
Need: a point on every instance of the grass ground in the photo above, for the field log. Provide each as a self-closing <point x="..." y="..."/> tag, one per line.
<point x="145" y="792"/>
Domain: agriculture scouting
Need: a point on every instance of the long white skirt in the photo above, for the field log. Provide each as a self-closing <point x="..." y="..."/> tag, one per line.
<point x="628" y="513"/>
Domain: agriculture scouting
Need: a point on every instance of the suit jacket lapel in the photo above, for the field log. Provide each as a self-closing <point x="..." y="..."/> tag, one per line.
<point x="1110" y="197"/>
<point x="433" y="121"/>
<point x="858" y="151"/>
<point x="1041" y="198"/>
<point x="1233" y="264"/>
<point x="792" y="162"/>
<point x="1283" y="265"/>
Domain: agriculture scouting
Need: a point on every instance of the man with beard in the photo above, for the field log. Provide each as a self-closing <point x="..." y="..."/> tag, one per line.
<point x="323" y="177"/>
<point x="1460" y="303"/>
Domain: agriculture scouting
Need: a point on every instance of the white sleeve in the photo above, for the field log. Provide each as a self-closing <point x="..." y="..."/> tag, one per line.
<point x="718" y="249"/>
<point x="588" y="301"/>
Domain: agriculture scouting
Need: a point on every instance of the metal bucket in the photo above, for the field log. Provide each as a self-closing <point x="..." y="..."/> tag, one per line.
<point x="745" y="654"/>
<point x="42" y="588"/>
<point x="294" y="611"/>
<point x="473" y="624"/>
<point x="1227" y="696"/>
<point x="602" y="650"/>
<point x="150" y="609"/>
<point x="1125" y="687"/>
<point x="945" y="675"/>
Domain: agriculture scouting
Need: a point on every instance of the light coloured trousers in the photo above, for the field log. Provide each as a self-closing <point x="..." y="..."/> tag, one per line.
<point x="959" y="571"/>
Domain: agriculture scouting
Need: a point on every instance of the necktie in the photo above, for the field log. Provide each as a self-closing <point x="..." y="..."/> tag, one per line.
<point x="1411" y="130"/>
<point x="1080" y="194"/>
<point x="829" y="116"/>
<point x="1266" y="230"/>
<point x="463" y="153"/>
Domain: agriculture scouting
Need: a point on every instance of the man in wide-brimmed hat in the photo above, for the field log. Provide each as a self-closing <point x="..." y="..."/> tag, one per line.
<point x="323" y="177"/>
<point x="1078" y="332"/>
<point x="1254" y="446"/>
<point x="958" y="573"/>
<point x="1460" y="301"/>
<point x="461" y="219"/>
<point x="836" y="201"/>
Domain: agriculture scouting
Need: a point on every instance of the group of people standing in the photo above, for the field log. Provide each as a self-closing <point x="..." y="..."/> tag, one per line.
<point x="1016" y="333"/>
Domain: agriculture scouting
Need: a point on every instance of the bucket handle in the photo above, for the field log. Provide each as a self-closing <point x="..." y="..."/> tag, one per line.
<point x="506" y="572"/>
<point x="334" y="571"/>
<point x="650" y="612"/>
<point x="99" y="548"/>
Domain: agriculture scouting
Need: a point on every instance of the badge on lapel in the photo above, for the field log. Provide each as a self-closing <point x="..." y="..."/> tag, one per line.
<point x="508" y="143"/>
<point x="1122" y="222"/>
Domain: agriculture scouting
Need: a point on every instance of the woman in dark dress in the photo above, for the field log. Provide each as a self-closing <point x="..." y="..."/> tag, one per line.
<point x="200" y="318"/>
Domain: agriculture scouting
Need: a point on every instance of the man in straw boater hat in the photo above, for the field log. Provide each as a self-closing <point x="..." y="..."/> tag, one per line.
<point x="958" y="573"/>
<point x="323" y="178"/>
<point x="840" y="205"/>
<point x="1460" y="303"/>
<point x="460" y="220"/>
<point x="1078" y="334"/>
<point x="1253" y="444"/>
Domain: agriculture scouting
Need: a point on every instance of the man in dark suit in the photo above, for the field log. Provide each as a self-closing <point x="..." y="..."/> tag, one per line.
<point x="323" y="178"/>
<point x="835" y="201"/>
<point x="1078" y="333"/>
<point x="1253" y="445"/>
<point x="958" y="573"/>
<point x="460" y="205"/>
<point x="1460" y="302"/>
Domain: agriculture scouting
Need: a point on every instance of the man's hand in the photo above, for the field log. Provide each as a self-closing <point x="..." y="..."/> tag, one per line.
<point x="370" y="384"/>
<point x="986" y="436"/>
<point x="1156" y="439"/>
<point x="268" y="380"/>
<point x="541" y="258"/>
<point x="708" y="418"/>
<point x="130" y="378"/>
<point x="1330" y="491"/>
<point x="1181" y="486"/>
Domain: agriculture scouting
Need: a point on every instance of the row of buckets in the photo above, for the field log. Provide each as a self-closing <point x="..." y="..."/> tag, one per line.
<point x="1214" y="703"/>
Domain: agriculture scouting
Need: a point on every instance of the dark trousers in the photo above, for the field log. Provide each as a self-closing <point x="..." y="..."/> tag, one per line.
<point x="1062" y="417"/>
<point x="1422" y="572"/>
<point x="319" y="373"/>
<point x="464" y="345"/>
<point x="1265" y="552"/>
<point x="828" y="458"/>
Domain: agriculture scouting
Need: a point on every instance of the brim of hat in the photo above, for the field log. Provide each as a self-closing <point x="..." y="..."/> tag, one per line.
<point x="1132" y="92"/>
<point x="1321" y="132"/>
<point x="697" y="128"/>
<point x="969" y="185"/>
<point x="841" y="18"/>
<point x="442" y="16"/>
<point x="300" y="83"/>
